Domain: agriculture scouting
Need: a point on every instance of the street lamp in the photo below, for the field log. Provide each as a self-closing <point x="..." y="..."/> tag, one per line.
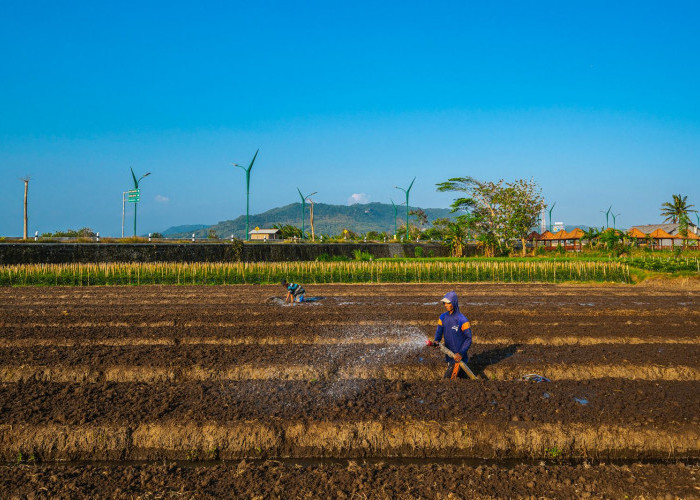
<point x="303" y="209"/>
<point x="136" y="188"/>
<point x="407" y="191"/>
<point x="247" y="191"/>
<point x="607" y="215"/>
<point x="550" y="216"/>
<point x="614" y="216"/>
<point x="395" y="212"/>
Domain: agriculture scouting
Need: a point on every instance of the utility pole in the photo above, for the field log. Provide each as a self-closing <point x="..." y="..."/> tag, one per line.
<point x="550" y="216"/>
<point x="123" y="209"/>
<point x="407" y="191"/>
<point x="247" y="192"/>
<point x="303" y="209"/>
<point x="25" y="179"/>
<point x="311" y="220"/>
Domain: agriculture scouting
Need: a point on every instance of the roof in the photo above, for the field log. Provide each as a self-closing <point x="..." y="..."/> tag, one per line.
<point x="560" y="235"/>
<point x="575" y="234"/>
<point x="546" y="236"/>
<point x="264" y="231"/>
<point x="670" y="229"/>
<point x="636" y="233"/>
<point x="660" y="234"/>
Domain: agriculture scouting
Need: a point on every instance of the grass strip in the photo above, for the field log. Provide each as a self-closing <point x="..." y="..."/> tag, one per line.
<point x="229" y="273"/>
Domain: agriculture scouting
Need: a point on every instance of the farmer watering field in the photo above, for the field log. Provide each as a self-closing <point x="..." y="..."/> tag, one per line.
<point x="456" y="330"/>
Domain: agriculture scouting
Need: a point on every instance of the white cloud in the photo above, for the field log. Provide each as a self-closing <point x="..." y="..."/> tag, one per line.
<point x="358" y="198"/>
<point x="162" y="199"/>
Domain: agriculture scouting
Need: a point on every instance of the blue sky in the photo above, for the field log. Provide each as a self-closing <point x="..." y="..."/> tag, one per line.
<point x="597" y="101"/>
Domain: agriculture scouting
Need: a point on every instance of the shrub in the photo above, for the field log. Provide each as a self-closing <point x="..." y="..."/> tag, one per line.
<point x="418" y="252"/>
<point x="362" y="256"/>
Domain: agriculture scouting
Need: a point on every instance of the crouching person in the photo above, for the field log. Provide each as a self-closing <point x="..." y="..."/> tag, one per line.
<point x="456" y="330"/>
<point x="295" y="292"/>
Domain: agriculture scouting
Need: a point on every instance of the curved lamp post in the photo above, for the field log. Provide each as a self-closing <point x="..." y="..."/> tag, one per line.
<point x="607" y="215"/>
<point x="614" y="216"/>
<point x="247" y="191"/>
<point x="550" y="216"/>
<point x="407" y="191"/>
<point x="136" y="187"/>
<point x="303" y="209"/>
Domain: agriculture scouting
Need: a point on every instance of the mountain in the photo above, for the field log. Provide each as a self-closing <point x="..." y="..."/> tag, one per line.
<point x="183" y="229"/>
<point x="328" y="219"/>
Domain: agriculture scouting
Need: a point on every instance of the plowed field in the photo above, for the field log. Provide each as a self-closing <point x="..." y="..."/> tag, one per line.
<point x="242" y="395"/>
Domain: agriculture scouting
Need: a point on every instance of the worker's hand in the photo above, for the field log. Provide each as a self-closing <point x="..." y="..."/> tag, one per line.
<point x="432" y="343"/>
<point x="458" y="357"/>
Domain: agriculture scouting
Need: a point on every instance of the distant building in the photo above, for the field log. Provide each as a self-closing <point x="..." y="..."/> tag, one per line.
<point x="265" y="234"/>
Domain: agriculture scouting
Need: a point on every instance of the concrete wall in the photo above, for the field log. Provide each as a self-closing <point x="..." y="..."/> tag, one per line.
<point x="55" y="253"/>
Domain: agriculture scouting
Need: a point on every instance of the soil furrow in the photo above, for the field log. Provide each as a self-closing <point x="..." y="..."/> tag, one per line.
<point x="167" y="338"/>
<point x="353" y="479"/>
<point x="609" y="401"/>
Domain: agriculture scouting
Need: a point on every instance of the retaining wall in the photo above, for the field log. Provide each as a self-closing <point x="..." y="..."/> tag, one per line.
<point x="58" y="253"/>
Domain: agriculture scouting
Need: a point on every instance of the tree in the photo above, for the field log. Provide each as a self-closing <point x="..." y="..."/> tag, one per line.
<point x="288" y="231"/>
<point x="591" y="236"/>
<point x="676" y="209"/>
<point x="438" y="229"/>
<point x="500" y="212"/>
<point x="521" y="203"/>
<point x="421" y="217"/>
<point x="456" y="236"/>
<point x="611" y="237"/>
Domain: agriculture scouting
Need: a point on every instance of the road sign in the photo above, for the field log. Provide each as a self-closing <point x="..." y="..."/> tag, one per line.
<point x="134" y="195"/>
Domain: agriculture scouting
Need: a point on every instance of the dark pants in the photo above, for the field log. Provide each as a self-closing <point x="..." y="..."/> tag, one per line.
<point x="451" y="367"/>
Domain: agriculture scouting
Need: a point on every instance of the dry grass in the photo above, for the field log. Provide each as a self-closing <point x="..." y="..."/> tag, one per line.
<point x="410" y="438"/>
<point x="326" y="371"/>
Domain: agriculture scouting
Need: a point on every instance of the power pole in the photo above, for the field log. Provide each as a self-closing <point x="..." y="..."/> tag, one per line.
<point x="26" y="217"/>
<point x="311" y="220"/>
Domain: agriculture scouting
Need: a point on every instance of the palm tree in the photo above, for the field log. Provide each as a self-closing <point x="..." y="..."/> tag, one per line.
<point x="456" y="236"/>
<point x="677" y="209"/>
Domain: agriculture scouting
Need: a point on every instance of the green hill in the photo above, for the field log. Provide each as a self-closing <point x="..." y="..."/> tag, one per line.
<point x="328" y="219"/>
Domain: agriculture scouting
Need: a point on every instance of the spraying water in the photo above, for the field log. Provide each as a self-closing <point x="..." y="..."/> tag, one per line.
<point x="404" y="343"/>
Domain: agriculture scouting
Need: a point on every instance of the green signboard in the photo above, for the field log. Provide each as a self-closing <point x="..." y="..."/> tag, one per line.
<point x="134" y="195"/>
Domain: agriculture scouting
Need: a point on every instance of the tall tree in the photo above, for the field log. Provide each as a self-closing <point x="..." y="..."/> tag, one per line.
<point x="676" y="209"/>
<point x="521" y="202"/>
<point x="501" y="212"/>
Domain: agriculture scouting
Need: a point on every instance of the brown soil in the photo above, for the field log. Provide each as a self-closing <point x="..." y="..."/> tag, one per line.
<point x="212" y="373"/>
<point x="277" y="480"/>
